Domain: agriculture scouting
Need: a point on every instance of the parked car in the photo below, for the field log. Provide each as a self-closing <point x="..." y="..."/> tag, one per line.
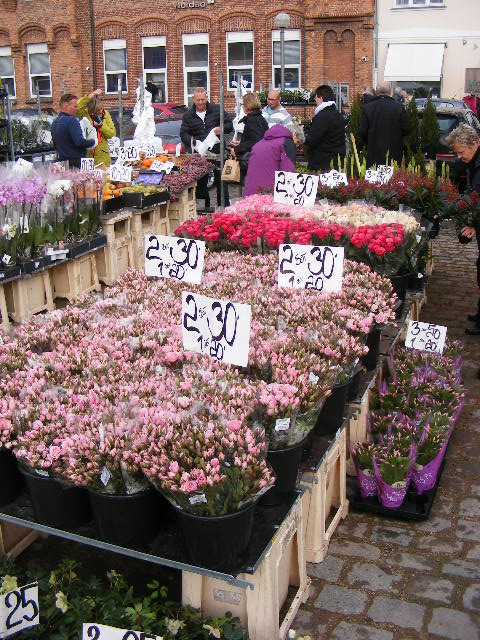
<point x="168" y="119"/>
<point x="441" y="103"/>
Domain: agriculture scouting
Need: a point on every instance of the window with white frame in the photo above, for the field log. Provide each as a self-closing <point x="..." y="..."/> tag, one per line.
<point x="154" y="55"/>
<point x="115" y="65"/>
<point x="39" y="70"/>
<point x="418" y="3"/>
<point x="292" y="58"/>
<point x="7" y="70"/>
<point x="240" y="58"/>
<point x="195" y="64"/>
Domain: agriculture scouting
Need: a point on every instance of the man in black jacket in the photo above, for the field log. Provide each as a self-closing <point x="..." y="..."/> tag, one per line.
<point x="197" y="122"/>
<point x="326" y="138"/>
<point x="384" y="124"/>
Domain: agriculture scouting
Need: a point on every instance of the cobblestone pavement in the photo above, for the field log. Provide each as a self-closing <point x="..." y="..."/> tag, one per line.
<point x="386" y="579"/>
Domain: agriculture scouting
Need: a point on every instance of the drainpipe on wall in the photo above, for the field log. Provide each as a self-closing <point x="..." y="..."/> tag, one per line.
<point x="92" y="35"/>
<point x="375" y="48"/>
<point x="304" y="65"/>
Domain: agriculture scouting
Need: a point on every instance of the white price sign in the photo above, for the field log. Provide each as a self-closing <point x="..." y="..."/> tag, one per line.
<point x="120" y="173"/>
<point x="148" y="149"/>
<point x="19" y="609"/>
<point x="305" y="267"/>
<point x="179" y="258"/>
<point x="127" y="154"/>
<point x="93" y="631"/>
<point x="295" y="188"/>
<point x="381" y="175"/>
<point x="426" y="337"/>
<point x="162" y="167"/>
<point x="113" y="146"/>
<point x="333" y="178"/>
<point x="87" y="164"/>
<point x="219" y="328"/>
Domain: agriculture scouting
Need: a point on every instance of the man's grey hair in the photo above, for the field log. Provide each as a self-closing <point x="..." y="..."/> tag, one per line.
<point x="464" y="134"/>
<point x="384" y="89"/>
<point x="199" y="90"/>
<point x="297" y="129"/>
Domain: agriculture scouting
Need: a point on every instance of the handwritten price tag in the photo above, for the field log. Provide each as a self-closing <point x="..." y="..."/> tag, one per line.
<point x="178" y="258"/>
<point x="304" y="267"/>
<point x="333" y="178"/>
<point x="87" y="164"/>
<point x="120" y="173"/>
<point x="128" y="154"/>
<point x="295" y="188"/>
<point x="19" y="609"/>
<point x="219" y="328"/>
<point x="148" y="149"/>
<point x="92" y="631"/>
<point x="382" y="175"/>
<point x="113" y="146"/>
<point x="426" y="337"/>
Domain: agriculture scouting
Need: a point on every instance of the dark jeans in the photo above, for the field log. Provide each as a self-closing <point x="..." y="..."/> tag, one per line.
<point x="202" y="191"/>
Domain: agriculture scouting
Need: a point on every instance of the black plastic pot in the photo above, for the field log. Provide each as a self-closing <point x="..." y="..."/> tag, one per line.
<point x="331" y="415"/>
<point x="54" y="504"/>
<point x="127" y="519"/>
<point x="285" y="463"/>
<point x="400" y="285"/>
<point x="370" y="360"/>
<point x="9" y="273"/>
<point x="30" y="266"/>
<point x="11" y="480"/>
<point x="98" y="241"/>
<point x="354" y="385"/>
<point x="79" y="249"/>
<point x="416" y="282"/>
<point x="217" y="542"/>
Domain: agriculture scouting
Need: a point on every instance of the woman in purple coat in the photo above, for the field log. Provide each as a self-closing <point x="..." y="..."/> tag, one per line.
<point x="276" y="152"/>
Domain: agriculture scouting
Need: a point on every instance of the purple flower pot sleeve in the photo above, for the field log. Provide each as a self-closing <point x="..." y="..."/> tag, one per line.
<point x="424" y="479"/>
<point x="390" y="497"/>
<point x="366" y="484"/>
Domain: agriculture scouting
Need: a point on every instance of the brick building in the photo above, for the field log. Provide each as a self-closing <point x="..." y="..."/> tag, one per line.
<point x="180" y="46"/>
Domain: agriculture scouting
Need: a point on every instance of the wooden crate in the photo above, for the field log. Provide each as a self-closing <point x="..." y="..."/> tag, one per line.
<point x="326" y="493"/>
<point x="14" y="538"/>
<point x="151" y="221"/>
<point x="29" y="295"/>
<point x="259" y="608"/>
<point x="118" y="227"/>
<point x="184" y="208"/>
<point x="73" y="278"/>
<point x="114" y="260"/>
<point x="5" y="322"/>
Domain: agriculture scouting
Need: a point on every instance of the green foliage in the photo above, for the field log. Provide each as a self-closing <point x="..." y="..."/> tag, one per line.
<point x="66" y="601"/>
<point x="430" y="129"/>
<point x="28" y="138"/>
<point x="355" y="121"/>
<point x="413" y="138"/>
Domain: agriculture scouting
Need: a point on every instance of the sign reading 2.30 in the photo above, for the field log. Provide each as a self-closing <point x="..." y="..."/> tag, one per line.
<point x="219" y="328"/>
<point x="295" y="188"/>
<point x="305" y="267"/>
<point x="92" y="631"/>
<point x="178" y="258"/>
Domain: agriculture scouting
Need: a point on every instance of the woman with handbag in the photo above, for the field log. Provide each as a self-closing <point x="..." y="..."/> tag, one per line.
<point x="254" y="130"/>
<point x="90" y="107"/>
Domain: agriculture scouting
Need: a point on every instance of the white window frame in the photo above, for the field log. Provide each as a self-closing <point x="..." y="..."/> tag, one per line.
<point x="192" y="39"/>
<point x="290" y="34"/>
<point x="119" y="43"/>
<point x="423" y="4"/>
<point x="6" y="52"/>
<point x="32" y="49"/>
<point x="157" y="41"/>
<point x="240" y="36"/>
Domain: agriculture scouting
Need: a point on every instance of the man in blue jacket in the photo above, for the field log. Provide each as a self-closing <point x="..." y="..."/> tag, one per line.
<point x="67" y="133"/>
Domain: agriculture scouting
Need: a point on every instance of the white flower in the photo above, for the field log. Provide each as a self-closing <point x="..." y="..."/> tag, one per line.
<point x="213" y="632"/>
<point x="61" y="601"/>
<point x="9" y="230"/>
<point x="9" y="583"/>
<point x="58" y="187"/>
<point x="174" y="625"/>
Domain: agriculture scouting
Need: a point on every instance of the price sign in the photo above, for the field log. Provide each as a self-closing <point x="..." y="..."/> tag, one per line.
<point x="178" y="149"/>
<point x="219" y="328"/>
<point x="371" y="176"/>
<point x="148" y="149"/>
<point x="164" y="167"/>
<point x="384" y="173"/>
<point x="120" y="173"/>
<point x="295" y="188"/>
<point x="426" y="337"/>
<point x="178" y="258"/>
<point x="304" y="267"/>
<point x="333" y="178"/>
<point x="19" y="609"/>
<point x="87" y="164"/>
<point x="113" y="146"/>
<point x="128" y="154"/>
<point x="92" y="631"/>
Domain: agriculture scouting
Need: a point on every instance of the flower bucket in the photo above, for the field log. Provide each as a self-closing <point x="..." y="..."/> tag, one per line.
<point x="354" y="385"/>
<point x="373" y="343"/>
<point x="11" y="480"/>
<point x="285" y="463"/>
<point x="331" y="415"/>
<point x="55" y="504"/>
<point x="217" y="542"/>
<point x="391" y="497"/>
<point x="400" y="285"/>
<point x="367" y="484"/>
<point x="132" y="519"/>
<point x="424" y="479"/>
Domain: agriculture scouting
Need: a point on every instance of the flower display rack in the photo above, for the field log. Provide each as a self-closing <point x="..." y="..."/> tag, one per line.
<point x="283" y="565"/>
<point x="14" y="538"/>
<point x="117" y="257"/>
<point x="184" y="207"/>
<point x="325" y="502"/>
<point x="5" y="321"/>
<point x="29" y="295"/>
<point x="73" y="278"/>
<point x="147" y="222"/>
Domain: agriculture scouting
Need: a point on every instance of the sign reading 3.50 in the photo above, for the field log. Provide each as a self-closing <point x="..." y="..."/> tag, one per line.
<point x="219" y="328"/>
<point x="178" y="258"/>
<point x="305" y="267"/>
<point x="295" y="188"/>
<point x="19" y="609"/>
<point x="426" y="337"/>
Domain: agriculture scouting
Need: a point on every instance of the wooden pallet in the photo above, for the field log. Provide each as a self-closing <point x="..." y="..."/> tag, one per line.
<point x="29" y="295"/>
<point x="14" y="538"/>
<point x="74" y="278"/>
<point x="184" y="208"/>
<point x="5" y="322"/>
<point x="327" y="492"/>
<point x="259" y="609"/>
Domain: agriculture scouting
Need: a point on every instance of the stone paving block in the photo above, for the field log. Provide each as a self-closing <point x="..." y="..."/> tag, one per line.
<point x="463" y="569"/>
<point x="348" y="631"/>
<point x="402" y="614"/>
<point x="352" y="529"/>
<point x="360" y="549"/>
<point x="475" y="490"/>
<point x="411" y="561"/>
<point x="464" y="467"/>
<point x="435" y="525"/>
<point x="452" y="624"/>
<point x="328" y="570"/>
<point x="372" y="577"/>
<point x="470" y="508"/>
<point x="452" y="483"/>
<point x="468" y="530"/>
<point x="443" y="505"/>
<point x="431" y="588"/>
<point x="392" y="535"/>
<point x="341" y="600"/>
<point x="471" y="597"/>
<point x="440" y="545"/>
<point x="474" y="554"/>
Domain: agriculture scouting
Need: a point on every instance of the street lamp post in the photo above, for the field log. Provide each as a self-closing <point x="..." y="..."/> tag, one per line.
<point x="282" y="21"/>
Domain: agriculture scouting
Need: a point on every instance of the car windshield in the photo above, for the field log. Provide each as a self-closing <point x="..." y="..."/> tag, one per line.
<point x="446" y="122"/>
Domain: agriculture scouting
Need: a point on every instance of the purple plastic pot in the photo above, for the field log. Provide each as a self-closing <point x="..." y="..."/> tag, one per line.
<point x="391" y="497"/>
<point x="425" y="478"/>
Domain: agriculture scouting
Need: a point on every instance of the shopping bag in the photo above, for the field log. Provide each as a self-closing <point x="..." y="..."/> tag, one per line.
<point x="231" y="171"/>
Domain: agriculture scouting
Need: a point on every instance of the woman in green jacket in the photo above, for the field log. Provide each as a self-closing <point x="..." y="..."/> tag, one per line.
<point x="90" y="106"/>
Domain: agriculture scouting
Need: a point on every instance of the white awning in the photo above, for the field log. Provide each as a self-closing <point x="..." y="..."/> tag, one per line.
<point x="410" y="62"/>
